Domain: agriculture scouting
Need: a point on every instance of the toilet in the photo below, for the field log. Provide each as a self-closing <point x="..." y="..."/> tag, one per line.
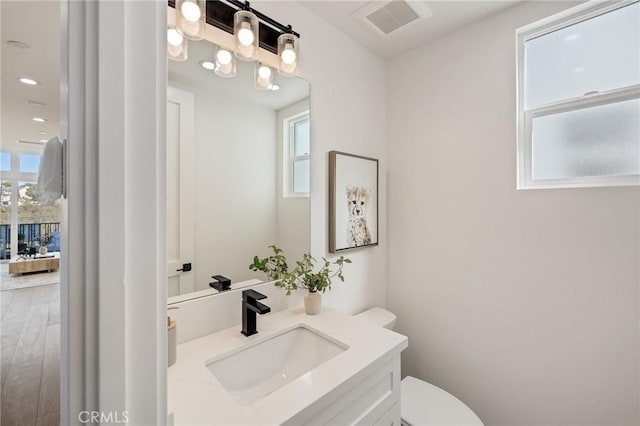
<point x="421" y="403"/>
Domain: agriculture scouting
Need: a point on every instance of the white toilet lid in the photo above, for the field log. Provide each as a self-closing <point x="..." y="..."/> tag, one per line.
<point x="423" y="404"/>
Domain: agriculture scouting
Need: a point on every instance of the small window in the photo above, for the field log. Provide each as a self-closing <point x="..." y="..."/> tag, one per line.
<point x="579" y="98"/>
<point x="297" y="148"/>
<point x="5" y="161"/>
<point x="29" y="163"/>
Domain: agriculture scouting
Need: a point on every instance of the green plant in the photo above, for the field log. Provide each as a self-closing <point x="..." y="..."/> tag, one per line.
<point x="303" y="275"/>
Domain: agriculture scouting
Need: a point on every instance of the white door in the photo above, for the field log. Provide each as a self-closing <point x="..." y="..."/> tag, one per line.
<point x="180" y="213"/>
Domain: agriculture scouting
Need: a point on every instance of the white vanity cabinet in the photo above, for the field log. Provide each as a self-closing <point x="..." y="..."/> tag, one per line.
<point x="374" y="400"/>
<point x="225" y="378"/>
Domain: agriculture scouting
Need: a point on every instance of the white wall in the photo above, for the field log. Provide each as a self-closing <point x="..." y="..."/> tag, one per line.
<point x="524" y="304"/>
<point x="234" y="186"/>
<point x="348" y="113"/>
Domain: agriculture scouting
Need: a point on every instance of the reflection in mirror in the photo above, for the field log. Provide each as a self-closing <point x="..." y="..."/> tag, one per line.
<point x="237" y="170"/>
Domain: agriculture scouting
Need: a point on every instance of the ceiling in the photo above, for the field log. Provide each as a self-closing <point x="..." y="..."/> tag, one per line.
<point x="447" y="17"/>
<point x="190" y="73"/>
<point x="36" y="23"/>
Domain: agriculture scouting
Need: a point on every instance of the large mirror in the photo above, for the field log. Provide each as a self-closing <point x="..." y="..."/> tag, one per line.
<point x="238" y="172"/>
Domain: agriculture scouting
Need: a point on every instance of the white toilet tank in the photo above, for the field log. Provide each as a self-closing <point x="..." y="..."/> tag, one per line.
<point x="379" y="316"/>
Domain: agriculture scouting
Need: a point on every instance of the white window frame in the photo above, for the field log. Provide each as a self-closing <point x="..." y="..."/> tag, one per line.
<point x="525" y="116"/>
<point x="290" y="158"/>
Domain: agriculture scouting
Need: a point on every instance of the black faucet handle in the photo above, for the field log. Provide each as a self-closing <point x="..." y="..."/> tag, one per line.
<point x="252" y="295"/>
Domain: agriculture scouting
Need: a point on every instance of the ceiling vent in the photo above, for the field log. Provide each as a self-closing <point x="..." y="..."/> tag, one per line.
<point x="385" y="17"/>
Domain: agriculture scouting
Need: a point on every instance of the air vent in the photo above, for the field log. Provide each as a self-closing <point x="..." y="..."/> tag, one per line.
<point x="385" y="17"/>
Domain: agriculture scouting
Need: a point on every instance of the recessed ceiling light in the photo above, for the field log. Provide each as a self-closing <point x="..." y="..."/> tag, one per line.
<point x="28" y="81"/>
<point x="42" y="132"/>
<point x="39" y="120"/>
<point x="31" y="142"/>
<point x="207" y="65"/>
<point x="18" y="44"/>
<point x="275" y="87"/>
<point x="44" y="140"/>
<point x="34" y="102"/>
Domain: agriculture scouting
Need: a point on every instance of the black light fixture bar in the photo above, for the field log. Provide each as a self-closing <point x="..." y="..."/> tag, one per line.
<point x="220" y="15"/>
<point x="261" y="16"/>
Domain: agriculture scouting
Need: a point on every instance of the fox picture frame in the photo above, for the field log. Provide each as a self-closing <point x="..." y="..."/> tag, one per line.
<point x="353" y="201"/>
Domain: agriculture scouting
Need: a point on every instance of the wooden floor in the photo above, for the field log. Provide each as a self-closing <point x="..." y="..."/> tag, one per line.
<point x="30" y="358"/>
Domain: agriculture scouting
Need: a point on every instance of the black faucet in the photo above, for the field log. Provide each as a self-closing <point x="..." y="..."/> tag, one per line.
<point x="251" y="307"/>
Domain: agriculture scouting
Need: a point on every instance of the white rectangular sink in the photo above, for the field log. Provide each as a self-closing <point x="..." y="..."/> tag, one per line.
<point x="258" y="370"/>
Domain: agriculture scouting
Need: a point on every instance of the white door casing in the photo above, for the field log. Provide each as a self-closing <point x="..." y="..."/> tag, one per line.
<point x="180" y="190"/>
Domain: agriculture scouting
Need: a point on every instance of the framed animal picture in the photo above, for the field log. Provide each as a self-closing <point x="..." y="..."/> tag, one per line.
<point x="353" y="201"/>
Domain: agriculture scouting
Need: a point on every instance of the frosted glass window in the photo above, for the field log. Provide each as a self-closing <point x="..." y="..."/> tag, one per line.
<point x="597" y="141"/>
<point x="301" y="176"/>
<point x="301" y="137"/>
<point x="5" y="161"/>
<point x="599" y="54"/>
<point x="579" y="98"/>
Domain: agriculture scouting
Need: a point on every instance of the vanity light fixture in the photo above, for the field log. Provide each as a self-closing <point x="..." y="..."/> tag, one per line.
<point x="177" y="47"/>
<point x="245" y="34"/>
<point x="225" y="63"/>
<point x="250" y="28"/>
<point x="263" y="77"/>
<point x="190" y="18"/>
<point x="288" y="54"/>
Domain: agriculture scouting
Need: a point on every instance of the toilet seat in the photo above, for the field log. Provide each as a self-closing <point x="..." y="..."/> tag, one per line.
<point x="423" y="404"/>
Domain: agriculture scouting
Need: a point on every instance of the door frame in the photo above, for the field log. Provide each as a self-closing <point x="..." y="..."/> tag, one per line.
<point x="113" y="272"/>
<point x="185" y="100"/>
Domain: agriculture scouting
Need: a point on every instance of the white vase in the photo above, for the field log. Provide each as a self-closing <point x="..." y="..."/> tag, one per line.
<point x="313" y="303"/>
<point x="43" y="250"/>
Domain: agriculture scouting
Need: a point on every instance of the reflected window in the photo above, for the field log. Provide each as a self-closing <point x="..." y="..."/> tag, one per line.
<point x="297" y="146"/>
<point x="579" y="99"/>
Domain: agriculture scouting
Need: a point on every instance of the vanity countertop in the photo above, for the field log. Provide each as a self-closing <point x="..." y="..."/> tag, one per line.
<point x="196" y="397"/>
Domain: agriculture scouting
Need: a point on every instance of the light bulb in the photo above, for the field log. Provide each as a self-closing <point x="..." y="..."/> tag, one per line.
<point x="288" y="56"/>
<point x="190" y="11"/>
<point x="224" y="57"/>
<point x="264" y="72"/>
<point x="174" y="38"/>
<point x="245" y="34"/>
